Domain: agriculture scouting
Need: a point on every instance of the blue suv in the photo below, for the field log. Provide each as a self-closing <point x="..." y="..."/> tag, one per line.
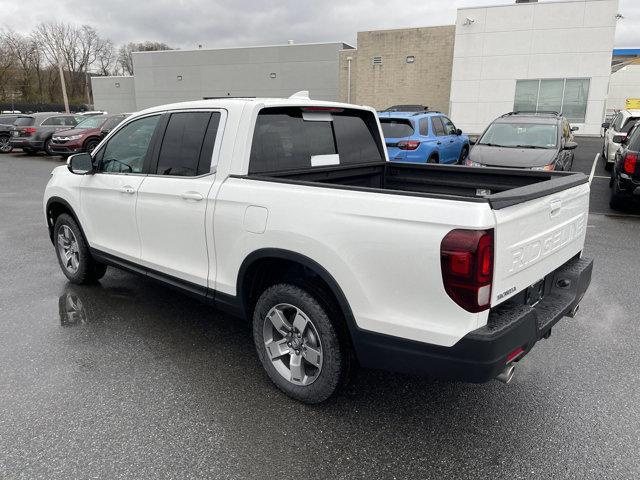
<point x="423" y="137"/>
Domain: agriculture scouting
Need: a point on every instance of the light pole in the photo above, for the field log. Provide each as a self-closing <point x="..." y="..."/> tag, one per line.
<point x="63" y="84"/>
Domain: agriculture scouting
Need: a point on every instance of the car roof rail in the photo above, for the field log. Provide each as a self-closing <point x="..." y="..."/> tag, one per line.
<point x="533" y="112"/>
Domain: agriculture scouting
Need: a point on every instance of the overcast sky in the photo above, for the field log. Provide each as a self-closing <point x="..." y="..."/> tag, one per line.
<point x="222" y="23"/>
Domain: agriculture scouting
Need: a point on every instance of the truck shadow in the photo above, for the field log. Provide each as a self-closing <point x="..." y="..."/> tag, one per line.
<point x="163" y="336"/>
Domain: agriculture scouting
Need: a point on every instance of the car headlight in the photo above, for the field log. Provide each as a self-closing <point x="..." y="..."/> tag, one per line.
<point x="75" y="137"/>
<point x="548" y="168"/>
<point x="470" y="163"/>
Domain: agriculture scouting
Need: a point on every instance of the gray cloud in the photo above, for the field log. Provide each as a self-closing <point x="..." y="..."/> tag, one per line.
<point x="224" y="23"/>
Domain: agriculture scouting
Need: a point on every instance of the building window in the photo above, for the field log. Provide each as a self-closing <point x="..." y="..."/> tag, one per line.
<point x="566" y="95"/>
<point x="377" y="60"/>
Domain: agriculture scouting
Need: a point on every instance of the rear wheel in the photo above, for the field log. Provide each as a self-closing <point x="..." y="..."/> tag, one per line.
<point x="463" y="155"/>
<point x="5" y="146"/>
<point x="608" y="166"/>
<point x="300" y="345"/>
<point x="433" y="158"/>
<point x="73" y="252"/>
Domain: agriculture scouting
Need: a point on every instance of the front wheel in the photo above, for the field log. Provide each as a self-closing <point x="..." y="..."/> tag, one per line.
<point x="615" y="202"/>
<point x="5" y="146"/>
<point x="73" y="253"/>
<point x="299" y="344"/>
<point x="91" y="145"/>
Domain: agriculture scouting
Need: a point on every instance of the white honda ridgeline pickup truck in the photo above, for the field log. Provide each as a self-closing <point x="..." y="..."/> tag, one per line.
<point x="287" y="212"/>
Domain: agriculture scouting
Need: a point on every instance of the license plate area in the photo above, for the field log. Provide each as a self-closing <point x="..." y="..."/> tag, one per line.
<point x="534" y="293"/>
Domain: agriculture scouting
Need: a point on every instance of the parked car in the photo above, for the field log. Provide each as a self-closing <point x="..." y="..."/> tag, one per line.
<point x="33" y="132"/>
<point x="85" y="136"/>
<point x="618" y="127"/>
<point x="6" y="121"/>
<point x="286" y="212"/>
<point x="91" y="113"/>
<point x="423" y="137"/>
<point x="407" y="108"/>
<point x="537" y="141"/>
<point x="625" y="174"/>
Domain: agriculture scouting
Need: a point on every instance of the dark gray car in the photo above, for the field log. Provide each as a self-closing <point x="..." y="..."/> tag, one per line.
<point x="33" y="132"/>
<point x="538" y="141"/>
<point x="6" y="121"/>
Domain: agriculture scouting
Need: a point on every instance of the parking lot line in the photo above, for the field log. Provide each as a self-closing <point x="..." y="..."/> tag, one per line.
<point x="604" y="177"/>
<point x="593" y="167"/>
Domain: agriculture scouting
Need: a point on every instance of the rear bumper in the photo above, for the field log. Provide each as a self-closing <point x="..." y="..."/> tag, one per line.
<point x="18" y="142"/>
<point x="482" y="354"/>
<point x="627" y="186"/>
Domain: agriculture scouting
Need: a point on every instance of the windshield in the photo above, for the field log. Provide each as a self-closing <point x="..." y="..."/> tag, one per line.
<point x="91" y="122"/>
<point x="525" y="135"/>
<point x="394" y="128"/>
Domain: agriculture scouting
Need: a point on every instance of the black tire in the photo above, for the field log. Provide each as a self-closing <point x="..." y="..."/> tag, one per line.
<point x="464" y="153"/>
<point x="91" y="144"/>
<point x="335" y="348"/>
<point x="433" y="158"/>
<point x="47" y="147"/>
<point x="88" y="270"/>
<point x="616" y="202"/>
<point x="608" y="166"/>
<point x="5" y="146"/>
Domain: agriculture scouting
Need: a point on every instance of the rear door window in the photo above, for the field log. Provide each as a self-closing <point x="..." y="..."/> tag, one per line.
<point x="396" y="128"/>
<point x="288" y="139"/>
<point x="628" y="124"/>
<point x="438" y="126"/>
<point x="187" y="145"/>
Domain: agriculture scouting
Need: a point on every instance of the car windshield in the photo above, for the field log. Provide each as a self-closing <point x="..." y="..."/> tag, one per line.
<point x="521" y="135"/>
<point x="91" y="122"/>
<point x="395" y="128"/>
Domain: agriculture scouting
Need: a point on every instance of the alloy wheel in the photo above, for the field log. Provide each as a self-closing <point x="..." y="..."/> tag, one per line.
<point x="5" y="146"/>
<point x="292" y="344"/>
<point x="68" y="249"/>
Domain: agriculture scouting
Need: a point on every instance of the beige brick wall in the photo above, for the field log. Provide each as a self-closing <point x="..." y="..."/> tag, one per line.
<point x="427" y="81"/>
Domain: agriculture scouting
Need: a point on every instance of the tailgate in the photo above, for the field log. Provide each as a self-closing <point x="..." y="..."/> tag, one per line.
<point x="535" y="237"/>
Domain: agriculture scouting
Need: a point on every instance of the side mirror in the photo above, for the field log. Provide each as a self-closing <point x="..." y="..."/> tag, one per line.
<point x="606" y="125"/>
<point x="458" y="132"/>
<point x="80" y="164"/>
<point x="473" y="139"/>
<point x="104" y="132"/>
<point x="575" y="129"/>
<point x="619" y="138"/>
<point x="570" y="146"/>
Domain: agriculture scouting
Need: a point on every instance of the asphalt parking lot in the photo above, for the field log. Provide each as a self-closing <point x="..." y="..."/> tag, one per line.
<point x="148" y="383"/>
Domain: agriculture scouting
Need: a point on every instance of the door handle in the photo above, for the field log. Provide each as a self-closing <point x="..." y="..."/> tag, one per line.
<point x="128" y="189"/>
<point x="450" y="141"/>
<point x="192" y="196"/>
<point x="555" y="205"/>
<point x="438" y="143"/>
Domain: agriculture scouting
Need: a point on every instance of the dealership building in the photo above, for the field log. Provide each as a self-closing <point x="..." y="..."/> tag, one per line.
<point x="527" y="55"/>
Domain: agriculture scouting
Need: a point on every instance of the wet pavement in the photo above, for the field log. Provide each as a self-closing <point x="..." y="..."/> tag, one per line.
<point x="128" y="379"/>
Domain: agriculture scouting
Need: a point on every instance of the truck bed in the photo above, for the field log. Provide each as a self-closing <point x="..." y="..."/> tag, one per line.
<point x="500" y="187"/>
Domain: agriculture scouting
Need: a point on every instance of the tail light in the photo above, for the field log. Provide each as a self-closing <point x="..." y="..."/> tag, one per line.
<point x="630" y="161"/>
<point x="29" y="130"/>
<point x="408" y="144"/>
<point x="466" y="259"/>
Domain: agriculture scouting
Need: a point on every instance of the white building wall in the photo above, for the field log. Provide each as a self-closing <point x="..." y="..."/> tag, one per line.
<point x="269" y="71"/>
<point x="502" y="44"/>
<point x="114" y="94"/>
<point x="625" y="83"/>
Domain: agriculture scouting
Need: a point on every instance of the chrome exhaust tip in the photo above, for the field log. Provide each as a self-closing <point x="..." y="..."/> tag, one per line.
<point x="507" y="374"/>
<point x="573" y="311"/>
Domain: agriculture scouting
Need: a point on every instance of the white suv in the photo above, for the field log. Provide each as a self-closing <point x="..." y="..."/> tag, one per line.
<point x="619" y="126"/>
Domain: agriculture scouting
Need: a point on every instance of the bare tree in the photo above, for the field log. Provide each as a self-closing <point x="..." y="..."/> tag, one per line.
<point x="125" y="57"/>
<point x="106" y="63"/>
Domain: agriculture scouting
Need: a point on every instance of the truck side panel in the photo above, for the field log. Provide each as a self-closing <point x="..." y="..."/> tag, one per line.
<point x="383" y="250"/>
